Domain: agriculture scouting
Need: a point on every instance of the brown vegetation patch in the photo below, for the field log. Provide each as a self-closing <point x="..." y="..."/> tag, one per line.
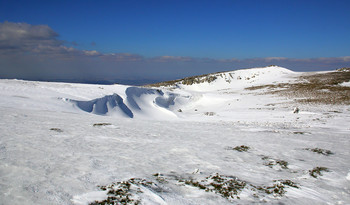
<point x="320" y="151"/>
<point x="321" y="88"/>
<point x="187" y="81"/>
<point x="56" y="129"/>
<point x="101" y="124"/>
<point x="317" y="171"/>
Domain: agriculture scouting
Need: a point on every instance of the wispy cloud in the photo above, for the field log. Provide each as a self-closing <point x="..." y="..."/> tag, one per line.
<point x="35" y="52"/>
<point x="125" y="57"/>
<point x="173" y="59"/>
<point x="268" y="59"/>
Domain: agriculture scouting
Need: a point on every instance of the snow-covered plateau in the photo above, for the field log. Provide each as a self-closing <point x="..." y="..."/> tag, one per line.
<point x="253" y="136"/>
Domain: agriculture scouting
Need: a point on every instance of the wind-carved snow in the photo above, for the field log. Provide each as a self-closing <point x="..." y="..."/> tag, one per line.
<point x="135" y="96"/>
<point x="138" y="100"/>
<point x="166" y="102"/>
<point x="134" y="92"/>
<point x="104" y="105"/>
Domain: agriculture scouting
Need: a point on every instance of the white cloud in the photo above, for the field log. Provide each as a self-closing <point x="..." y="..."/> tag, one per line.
<point x="173" y="59"/>
<point x="346" y="58"/>
<point x="92" y="53"/>
<point x="268" y="59"/>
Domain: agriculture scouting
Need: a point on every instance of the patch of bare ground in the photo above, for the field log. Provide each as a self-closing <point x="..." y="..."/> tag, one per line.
<point x="320" y="88"/>
<point x="187" y="81"/>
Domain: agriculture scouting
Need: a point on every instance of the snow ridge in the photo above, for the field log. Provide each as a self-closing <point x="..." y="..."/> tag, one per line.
<point x="137" y="100"/>
<point x="104" y="105"/>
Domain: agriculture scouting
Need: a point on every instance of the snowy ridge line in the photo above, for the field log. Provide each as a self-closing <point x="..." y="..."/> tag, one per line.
<point x="230" y="79"/>
<point x="211" y="95"/>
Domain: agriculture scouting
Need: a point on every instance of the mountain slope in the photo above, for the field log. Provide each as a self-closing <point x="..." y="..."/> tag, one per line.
<point x="238" y="79"/>
<point x="129" y="101"/>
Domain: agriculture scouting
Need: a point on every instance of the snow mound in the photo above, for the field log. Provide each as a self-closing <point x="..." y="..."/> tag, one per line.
<point x="137" y="95"/>
<point x="105" y="105"/>
<point x="142" y="101"/>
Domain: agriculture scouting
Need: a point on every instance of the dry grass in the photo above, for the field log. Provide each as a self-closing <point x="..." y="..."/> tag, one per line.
<point x="270" y="162"/>
<point x="320" y="151"/>
<point x="192" y="80"/>
<point x="56" y="129"/>
<point x="320" y="88"/>
<point x="101" y="124"/>
<point x="317" y="171"/>
<point x="187" y="81"/>
<point x="242" y="148"/>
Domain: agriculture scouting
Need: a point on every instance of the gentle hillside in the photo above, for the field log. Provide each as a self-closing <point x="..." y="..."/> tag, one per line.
<point x="220" y="93"/>
<point x="330" y="87"/>
<point x="232" y="79"/>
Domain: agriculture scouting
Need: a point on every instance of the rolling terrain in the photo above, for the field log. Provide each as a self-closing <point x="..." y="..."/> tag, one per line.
<point x="261" y="135"/>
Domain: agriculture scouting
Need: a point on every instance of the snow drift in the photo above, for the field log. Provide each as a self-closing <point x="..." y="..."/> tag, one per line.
<point x="136" y="100"/>
<point x="105" y="105"/>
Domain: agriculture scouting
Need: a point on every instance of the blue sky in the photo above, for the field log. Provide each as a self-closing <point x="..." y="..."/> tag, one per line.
<point x="170" y="39"/>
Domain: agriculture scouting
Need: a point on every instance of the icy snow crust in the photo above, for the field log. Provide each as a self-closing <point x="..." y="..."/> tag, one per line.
<point x="59" y="142"/>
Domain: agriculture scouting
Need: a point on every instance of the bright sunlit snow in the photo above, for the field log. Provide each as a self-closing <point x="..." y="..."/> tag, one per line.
<point x="61" y="142"/>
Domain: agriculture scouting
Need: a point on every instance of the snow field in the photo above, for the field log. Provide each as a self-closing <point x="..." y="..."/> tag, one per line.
<point x="59" y="142"/>
<point x="40" y="165"/>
